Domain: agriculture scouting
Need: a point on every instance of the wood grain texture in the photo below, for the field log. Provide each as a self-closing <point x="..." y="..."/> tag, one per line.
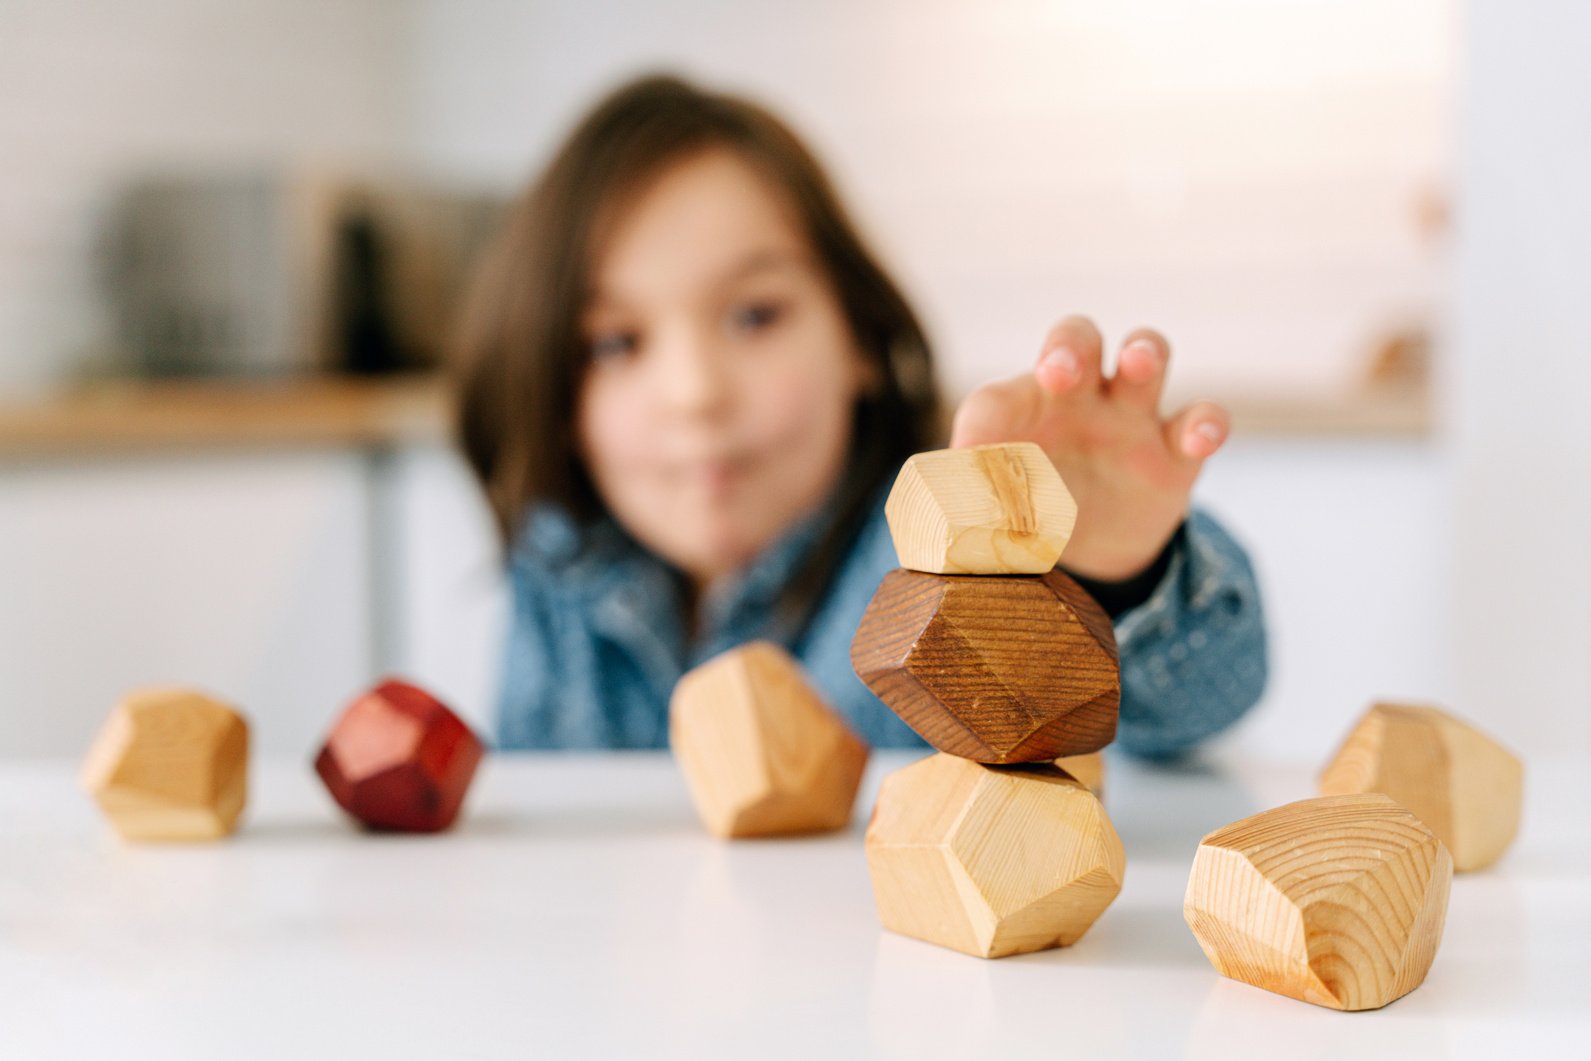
<point x="1338" y="900"/>
<point x="170" y="764"/>
<point x="1000" y="670"/>
<point x="398" y="759"/>
<point x="991" y="860"/>
<point x="1088" y="769"/>
<point x="762" y="753"/>
<point x="980" y="510"/>
<point x="1463" y="784"/>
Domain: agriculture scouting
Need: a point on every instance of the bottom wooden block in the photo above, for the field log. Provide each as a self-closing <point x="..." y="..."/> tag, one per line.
<point x="170" y="764"/>
<point x="991" y="860"/>
<point x="1089" y="768"/>
<point x="1339" y="900"/>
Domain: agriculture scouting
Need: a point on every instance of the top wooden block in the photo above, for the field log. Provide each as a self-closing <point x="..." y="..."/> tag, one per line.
<point x="982" y="510"/>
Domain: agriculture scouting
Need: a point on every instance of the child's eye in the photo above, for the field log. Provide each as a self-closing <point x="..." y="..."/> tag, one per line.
<point x="612" y="346"/>
<point x="754" y="317"/>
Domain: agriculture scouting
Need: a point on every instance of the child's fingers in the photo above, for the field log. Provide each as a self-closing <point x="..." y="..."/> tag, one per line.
<point x="1141" y="369"/>
<point x="1069" y="359"/>
<point x="995" y="412"/>
<point x="1197" y="431"/>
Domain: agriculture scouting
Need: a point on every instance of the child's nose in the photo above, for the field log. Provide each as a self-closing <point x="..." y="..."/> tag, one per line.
<point x="694" y="380"/>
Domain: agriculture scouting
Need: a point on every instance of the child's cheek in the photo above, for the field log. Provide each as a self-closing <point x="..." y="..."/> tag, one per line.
<point x="614" y="421"/>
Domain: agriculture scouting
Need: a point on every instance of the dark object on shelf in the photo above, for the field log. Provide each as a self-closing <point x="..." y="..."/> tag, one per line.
<point x="264" y="275"/>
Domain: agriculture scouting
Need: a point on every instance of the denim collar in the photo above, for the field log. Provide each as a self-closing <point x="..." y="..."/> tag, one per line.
<point x="636" y="597"/>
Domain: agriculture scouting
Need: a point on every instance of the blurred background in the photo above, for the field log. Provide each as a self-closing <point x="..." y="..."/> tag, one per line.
<point x="232" y="236"/>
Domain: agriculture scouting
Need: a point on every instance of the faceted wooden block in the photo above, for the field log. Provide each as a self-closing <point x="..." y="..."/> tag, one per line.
<point x="1088" y="768"/>
<point x="761" y="751"/>
<point x="1001" y="670"/>
<point x="980" y="510"/>
<point x="991" y="860"/>
<point x="398" y="759"/>
<point x="1338" y="901"/>
<point x="1460" y="782"/>
<point x="170" y="764"/>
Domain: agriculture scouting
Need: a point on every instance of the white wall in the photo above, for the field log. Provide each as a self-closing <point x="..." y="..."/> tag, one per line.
<point x="449" y="600"/>
<point x="92" y="91"/>
<point x="247" y="576"/>
<point x="1350" y="540"/>
<point x="1518" y="424"/>
<point x="1241" y="174"/>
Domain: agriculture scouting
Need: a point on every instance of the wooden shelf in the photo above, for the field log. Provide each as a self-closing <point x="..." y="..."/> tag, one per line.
<point x="140" y="416"/>
<point x="1365" y="414"/>
<point x="112" y="418"/>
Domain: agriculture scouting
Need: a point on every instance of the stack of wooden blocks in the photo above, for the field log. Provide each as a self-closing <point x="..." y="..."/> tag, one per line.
<point x="1004" y="664"/>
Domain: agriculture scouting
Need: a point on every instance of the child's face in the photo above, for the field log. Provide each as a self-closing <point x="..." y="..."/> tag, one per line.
<point x="716" y="409"/>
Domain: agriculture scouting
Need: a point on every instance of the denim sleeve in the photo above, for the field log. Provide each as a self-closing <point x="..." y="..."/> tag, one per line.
<point x="1193" y="656"/>
<point x="526" y="665"/>
<point x="825" y="650"/>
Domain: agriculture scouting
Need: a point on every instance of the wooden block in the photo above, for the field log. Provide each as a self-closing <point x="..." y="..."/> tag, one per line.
<point x="991" y="860"/>
<point x="1001" y="670"/>
<point x="1460" y="782"/>
<point x="981" y="510"/>
<point x="1338" y="901"/>
<point x="398" y="759"/>
<point x="761" y="751"/>
<point x="170" y="764"/>
<point x="1088" y="769"/>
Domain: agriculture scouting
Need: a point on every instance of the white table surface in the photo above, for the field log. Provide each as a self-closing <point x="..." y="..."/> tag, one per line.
<point x="578" y="910"/>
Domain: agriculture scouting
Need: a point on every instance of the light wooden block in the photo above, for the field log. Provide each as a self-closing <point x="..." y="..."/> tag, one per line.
<point x="170" y="764"/>
<point x="991" y="861"/>
<point x="1460" y="782"/>
<point x="1338" y="901"/>
<point x="398" y="759"/>
<point x="980" y="510"/>
<point x="1088" y="768"/>
<point x="762" y="753"/>
<point x="1001" y="670"/>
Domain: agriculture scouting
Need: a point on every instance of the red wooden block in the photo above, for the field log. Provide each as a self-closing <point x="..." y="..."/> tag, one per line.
<point x="399" y="759"/>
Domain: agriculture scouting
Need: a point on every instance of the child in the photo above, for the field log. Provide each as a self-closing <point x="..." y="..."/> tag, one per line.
<point x="687" y="389"/>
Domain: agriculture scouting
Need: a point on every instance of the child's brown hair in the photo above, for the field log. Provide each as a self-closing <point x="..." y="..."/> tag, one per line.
<point x="520" y="348"/>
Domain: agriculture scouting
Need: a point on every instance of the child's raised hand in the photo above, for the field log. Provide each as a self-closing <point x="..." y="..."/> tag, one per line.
<point x="1130" y="471"/>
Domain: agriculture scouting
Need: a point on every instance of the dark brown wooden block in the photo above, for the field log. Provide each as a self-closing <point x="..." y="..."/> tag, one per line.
<point x="1001" y="670"/>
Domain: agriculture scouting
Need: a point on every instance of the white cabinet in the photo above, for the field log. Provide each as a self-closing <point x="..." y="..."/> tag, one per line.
<point x="282" y="581"/>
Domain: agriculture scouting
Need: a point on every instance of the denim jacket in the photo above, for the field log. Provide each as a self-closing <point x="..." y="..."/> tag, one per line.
<point x="597" y="641"/>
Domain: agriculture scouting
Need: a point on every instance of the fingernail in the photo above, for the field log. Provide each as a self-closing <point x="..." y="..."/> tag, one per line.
<point x="1146" y="347"/>
<point x="1062" y="360"/>
<point x="1210" y="431"/>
